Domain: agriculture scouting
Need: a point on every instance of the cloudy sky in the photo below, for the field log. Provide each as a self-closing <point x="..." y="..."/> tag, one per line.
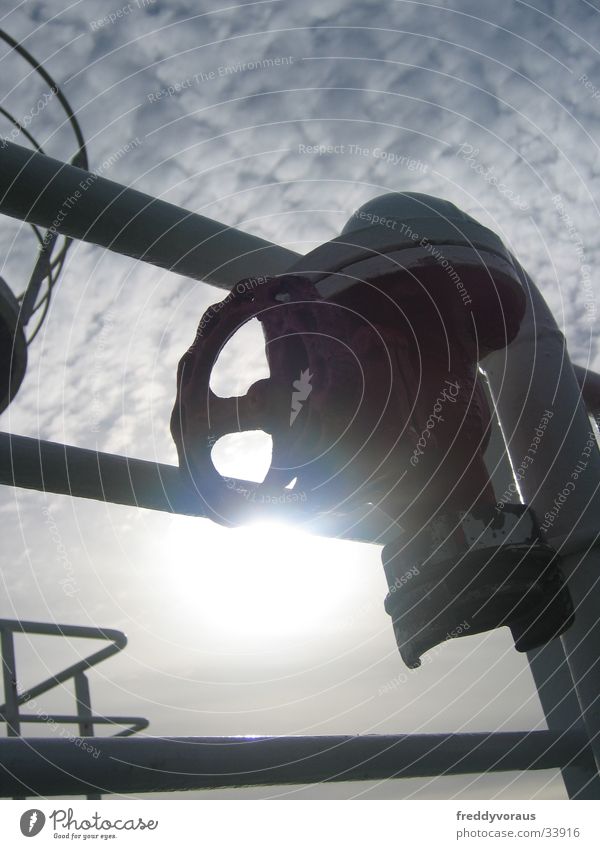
<point x="231" y="632"/>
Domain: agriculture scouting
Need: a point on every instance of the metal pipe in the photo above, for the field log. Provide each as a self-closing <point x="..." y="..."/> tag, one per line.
<point x="531" y="377"/>
<point x="83" y="473"/>
<point x="84" y="714"/>
<point x="77" y="203"/>
<point x="558" y="698"/>
<point x="146" y="764"/>
<point x="10" y="709"/>
<point x="84" y="706"/>
<point x="589" y="383"/>
<point x="548" y="664"/>
<point x="137" y="723"/>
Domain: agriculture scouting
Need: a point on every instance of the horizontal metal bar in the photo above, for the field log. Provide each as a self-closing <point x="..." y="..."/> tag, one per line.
<point x="134" y="723"/>
<point x="80" y="204"/>
<point x="54" y="629"/>
<point x="81" y="472"/>
<point x="73" y="719"/>
<point x="45" y="766"/>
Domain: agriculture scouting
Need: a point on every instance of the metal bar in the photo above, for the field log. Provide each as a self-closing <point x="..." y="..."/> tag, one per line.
<point x="71" y="719"/>
<point x="139" y="765"/>
<point x="55" y="629"/>
<point x="562" y="483"/>
<point x="548" y="664"/>
<point x="118" y="642"/>
<point x="84" y="711"/>
<point x="51" y="467"/>
<point x="9" y="671"/>
<point x="554" y="683"/>
<point x="589" y="383"/>
<point x="40" y="271"/>
<point x="77" y="203"/>
<point x="84" y="707"/>
<point x="9" y="712"/>
<point x="136" y="723"/>
<point x="80" y="472"/>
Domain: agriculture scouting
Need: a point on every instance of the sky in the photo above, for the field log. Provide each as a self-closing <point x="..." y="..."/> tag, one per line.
<point x="493" y="106"/>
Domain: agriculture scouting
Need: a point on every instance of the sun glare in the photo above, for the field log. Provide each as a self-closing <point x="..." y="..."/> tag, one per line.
<point x="249" y="588"/>
<point x="253" y="585"/>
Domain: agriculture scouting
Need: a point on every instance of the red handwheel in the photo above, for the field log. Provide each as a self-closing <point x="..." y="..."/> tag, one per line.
<point x="200" y="417"/>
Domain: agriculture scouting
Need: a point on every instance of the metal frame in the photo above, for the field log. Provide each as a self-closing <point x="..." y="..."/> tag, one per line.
<point x="84" y="473"/>
<point x="36" y="188"/>
<point x="155" y="764"/>
<point x="32" y="188"/>
<point x="85" y="720"/>
<point x="521" y="396"/>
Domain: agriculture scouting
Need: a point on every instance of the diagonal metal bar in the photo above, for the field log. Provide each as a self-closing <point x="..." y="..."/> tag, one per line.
<point x="77" y="203"/>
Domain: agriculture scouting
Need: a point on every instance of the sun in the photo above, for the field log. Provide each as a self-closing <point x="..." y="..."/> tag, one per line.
<point x="254" y="585"/>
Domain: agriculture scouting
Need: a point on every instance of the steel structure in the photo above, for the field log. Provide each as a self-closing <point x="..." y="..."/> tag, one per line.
<point x="567" y="673"/>
<point x="84" y="473"/>
<point x="18" y="313"/>
<point x="10" y="711"/>
<point x="33" y="188"/>
<point x="152" y="764"/>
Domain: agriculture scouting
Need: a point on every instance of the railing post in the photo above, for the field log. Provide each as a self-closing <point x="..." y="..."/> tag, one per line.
<point x="84" y="707"/>
<point x="84" y="712"/>
<point x="9" y="671"/>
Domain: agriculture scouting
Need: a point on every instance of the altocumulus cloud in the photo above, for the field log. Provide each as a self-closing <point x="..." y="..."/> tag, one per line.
<point x="381" y="85"/>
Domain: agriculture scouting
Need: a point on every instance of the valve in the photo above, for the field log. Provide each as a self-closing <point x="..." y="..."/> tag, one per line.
<point x="200" y="417"/>
<point x="375" y="398"/>
<point x="335" y="403"/>
<point x="467" y="573"/>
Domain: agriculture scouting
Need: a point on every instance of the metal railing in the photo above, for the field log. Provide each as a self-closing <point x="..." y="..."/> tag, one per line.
<point x="155" y="764"/>
<point x="84" y="718"/>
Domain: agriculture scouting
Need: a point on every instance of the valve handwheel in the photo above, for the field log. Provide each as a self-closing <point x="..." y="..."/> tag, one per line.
<point x="335" y="405"/>
<point x="200" y="417"/>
